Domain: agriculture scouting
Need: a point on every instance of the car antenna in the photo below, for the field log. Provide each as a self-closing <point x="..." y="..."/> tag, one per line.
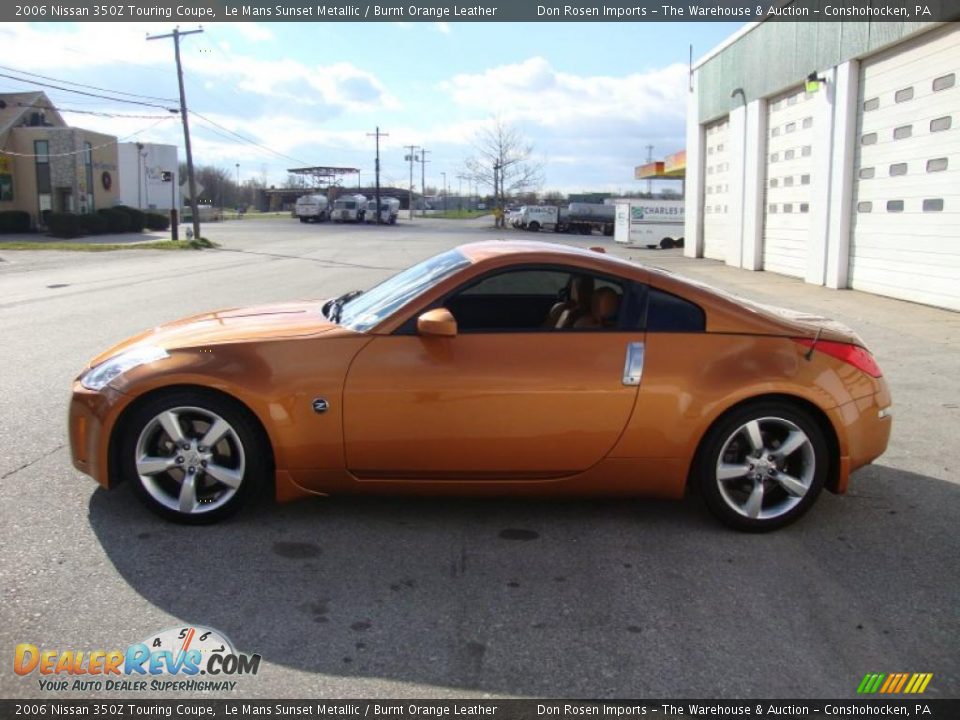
<point x="809" y="353"/>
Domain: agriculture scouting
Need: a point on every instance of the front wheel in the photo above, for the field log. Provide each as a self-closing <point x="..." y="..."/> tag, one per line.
<point x="193" y="457"/>
<point x="762" y="466"/>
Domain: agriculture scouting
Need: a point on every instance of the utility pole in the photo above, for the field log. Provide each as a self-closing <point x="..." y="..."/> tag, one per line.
<point x="378" y="135"/>
<point x="238" y="189"/>
<point x="423" y="179"/>
<point x="411" y="157"/>
<point x="444" y="191"/>
<point x="176" y="35"/>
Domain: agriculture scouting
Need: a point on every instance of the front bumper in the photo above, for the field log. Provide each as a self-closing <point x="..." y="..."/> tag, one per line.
<point x="90" y="418"/>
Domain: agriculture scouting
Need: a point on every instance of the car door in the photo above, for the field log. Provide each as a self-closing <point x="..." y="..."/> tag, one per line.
<point x="521" y="402"/>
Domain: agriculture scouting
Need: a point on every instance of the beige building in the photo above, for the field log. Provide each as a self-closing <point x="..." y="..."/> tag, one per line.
<point x="47" y="166"/>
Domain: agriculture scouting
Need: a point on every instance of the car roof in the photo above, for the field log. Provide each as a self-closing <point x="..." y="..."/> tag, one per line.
<point x="538" y="251"/>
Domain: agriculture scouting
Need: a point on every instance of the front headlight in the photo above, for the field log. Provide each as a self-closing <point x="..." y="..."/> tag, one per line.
<point x="96" y="378"/>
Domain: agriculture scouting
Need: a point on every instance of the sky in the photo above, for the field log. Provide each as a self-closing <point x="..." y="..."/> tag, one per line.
<point x="589" y="97"/>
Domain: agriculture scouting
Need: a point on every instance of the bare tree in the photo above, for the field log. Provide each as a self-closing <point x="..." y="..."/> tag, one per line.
<point x="502" y="160"/>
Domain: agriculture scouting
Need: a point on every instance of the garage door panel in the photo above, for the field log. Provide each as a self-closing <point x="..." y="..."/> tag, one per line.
<point x="905" y="238"/>
<point x="717" y="223"/>
<point x="791" y="134"/>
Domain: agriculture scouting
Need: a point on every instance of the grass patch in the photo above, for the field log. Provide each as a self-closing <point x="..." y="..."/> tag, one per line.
<point x="106" y="247"/>
<point x="459" y="214"/>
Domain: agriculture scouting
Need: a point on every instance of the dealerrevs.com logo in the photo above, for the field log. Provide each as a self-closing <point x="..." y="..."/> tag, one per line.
<point x="181" y="659"/>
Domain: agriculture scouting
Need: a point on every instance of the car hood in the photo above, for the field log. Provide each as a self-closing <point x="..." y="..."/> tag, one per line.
<point x="261" y="322"/>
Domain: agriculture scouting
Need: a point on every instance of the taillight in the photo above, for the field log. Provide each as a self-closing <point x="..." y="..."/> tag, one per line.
<point x="851" y="354"/>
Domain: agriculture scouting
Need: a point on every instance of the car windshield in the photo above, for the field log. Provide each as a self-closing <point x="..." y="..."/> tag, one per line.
<point x="368" y="310"/>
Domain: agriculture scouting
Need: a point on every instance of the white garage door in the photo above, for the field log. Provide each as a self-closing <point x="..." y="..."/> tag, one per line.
<point x="716" y="191"/>
<point x="906" y="225"/>
<point x="791" y="133"/>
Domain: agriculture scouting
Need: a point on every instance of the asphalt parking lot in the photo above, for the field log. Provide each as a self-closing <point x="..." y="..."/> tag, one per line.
<point x="448" y="598"/>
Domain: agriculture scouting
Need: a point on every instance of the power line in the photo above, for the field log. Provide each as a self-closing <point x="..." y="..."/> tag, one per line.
<point x="89" y="94"/>
<point x="94" y="147"/>
<point x="84" y="85"/>
<point x="93" y="112"/>
<point x="248" y="140"/>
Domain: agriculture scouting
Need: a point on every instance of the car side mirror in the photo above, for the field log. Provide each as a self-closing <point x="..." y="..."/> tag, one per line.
<point x="438" y="323"/>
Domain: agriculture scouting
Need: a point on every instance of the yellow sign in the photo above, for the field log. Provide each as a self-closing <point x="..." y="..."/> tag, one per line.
<point x="6" y="164"/>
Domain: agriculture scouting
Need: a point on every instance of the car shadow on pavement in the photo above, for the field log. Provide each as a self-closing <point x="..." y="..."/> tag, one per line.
<point x="567" y="599"/>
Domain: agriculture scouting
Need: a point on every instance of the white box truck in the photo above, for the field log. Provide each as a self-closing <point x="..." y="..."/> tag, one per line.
<point x="538" y="217"/>
<point x="349" y="208"/>
<point x="389" y="210"/>
<point x="312" y="208"/>
<point x="649" y="223"/>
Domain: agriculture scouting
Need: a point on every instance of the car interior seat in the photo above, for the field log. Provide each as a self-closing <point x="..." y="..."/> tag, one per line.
<point x="603" y="310"/>
<point x="565" y="313"/>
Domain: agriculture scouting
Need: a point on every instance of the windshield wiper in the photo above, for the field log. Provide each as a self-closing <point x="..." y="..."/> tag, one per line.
<point x="334" y="308"/>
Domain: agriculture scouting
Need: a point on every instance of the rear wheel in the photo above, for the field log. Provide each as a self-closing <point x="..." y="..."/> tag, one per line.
<point x="193" y="457"/>
<point x="762" y="466"/>
<point x="534" y="226"/>
<point x="303" y="219"/>
<point x="666" y="243"/>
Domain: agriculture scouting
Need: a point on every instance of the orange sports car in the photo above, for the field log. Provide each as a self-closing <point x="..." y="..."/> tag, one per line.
<point x="494" y="368"/>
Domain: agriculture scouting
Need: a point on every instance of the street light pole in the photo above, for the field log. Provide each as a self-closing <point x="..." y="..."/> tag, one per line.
<point x="444" y="191"/>
<point x="423" y="179"/>
<point x="377" y="134"/>
<point x="238" y="189"/>
<point x="496" y="193"/>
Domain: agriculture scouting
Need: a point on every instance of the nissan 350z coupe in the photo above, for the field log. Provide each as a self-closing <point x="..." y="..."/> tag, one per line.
<point x="501" y="368"/>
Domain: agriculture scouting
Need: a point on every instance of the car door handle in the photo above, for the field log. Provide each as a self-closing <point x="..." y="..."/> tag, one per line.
<point x="633" y="367"/>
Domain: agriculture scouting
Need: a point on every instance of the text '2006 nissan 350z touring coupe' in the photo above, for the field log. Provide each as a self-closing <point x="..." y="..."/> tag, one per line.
<point x="495" y="368"/>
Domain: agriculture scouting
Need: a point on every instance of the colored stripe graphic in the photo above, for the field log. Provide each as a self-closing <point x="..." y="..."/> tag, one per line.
<point x="894" y="683"/>
<point x="903" y="681"/>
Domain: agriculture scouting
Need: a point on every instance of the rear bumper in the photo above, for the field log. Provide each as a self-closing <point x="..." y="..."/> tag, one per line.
<point x="865" y="427"/>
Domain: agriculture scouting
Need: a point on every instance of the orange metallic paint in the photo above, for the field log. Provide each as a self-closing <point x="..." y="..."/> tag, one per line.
<point x="513" y="413"/>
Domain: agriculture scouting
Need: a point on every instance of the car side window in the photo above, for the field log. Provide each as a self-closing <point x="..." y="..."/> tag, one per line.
<point x="538" y="300"/>
<point x="670" y="313"/>
<point x="521" y="282"/>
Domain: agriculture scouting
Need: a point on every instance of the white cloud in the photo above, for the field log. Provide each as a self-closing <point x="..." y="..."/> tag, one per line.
<point x="340" y="87"/>
<point x="534" y="90"/>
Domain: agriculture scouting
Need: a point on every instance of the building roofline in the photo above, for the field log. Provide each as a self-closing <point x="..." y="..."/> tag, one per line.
<point x="749" y="27"/>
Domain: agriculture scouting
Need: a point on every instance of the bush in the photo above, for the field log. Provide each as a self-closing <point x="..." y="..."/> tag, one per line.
<point x="157" y="221"/>
<point x="117" y="220"/>
<point x="14" y="221"/>
<point x="137" y="219"/>
<point x="64" y="225"/>
<point x="93" y="224"/>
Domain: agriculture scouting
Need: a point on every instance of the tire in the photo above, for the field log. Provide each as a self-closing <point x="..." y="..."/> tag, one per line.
<point x="666" y="243"/>
<point x="730" y="467"/>
<point x="534" y="226"/>
<point x="239" y="453"/>
<point x="303" y="219"/>
<point x="679" y="242"/>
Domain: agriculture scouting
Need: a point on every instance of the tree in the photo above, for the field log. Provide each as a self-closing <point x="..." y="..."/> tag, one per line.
<point x="502" y="160"/>
<point x="554" y="197"/>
